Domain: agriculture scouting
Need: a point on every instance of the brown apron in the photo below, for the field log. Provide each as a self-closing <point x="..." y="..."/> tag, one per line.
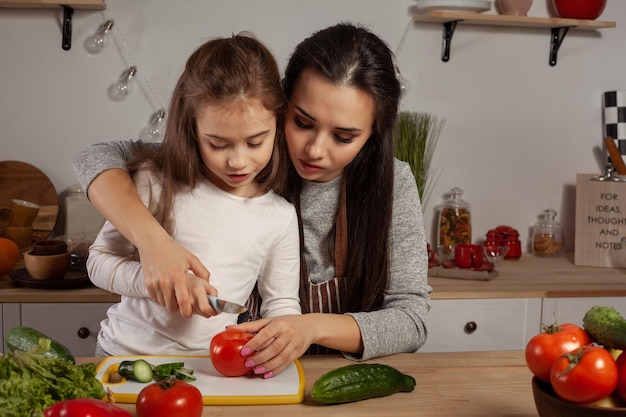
<point x="326" y="296"/>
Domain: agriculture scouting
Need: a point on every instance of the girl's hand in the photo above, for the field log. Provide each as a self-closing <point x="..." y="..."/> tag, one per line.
<point x="278" y="342"/>
<point x="175" y="277"/>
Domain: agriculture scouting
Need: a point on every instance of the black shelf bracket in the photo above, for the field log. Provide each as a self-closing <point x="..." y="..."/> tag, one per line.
<point x="556" y="39"/>
<point x="448" y="32"/>
<point x="66" y="41"/>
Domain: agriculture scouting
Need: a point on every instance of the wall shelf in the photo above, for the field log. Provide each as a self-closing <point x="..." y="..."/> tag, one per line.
<point x="559" y="27"/>
<point x="68" y="10"/>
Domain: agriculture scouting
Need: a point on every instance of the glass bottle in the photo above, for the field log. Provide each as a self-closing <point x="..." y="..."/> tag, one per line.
<point x="455" y="223"/>
<point x="547" y="235"/>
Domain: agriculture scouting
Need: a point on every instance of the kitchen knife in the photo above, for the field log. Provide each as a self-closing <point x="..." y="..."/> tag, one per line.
<point x="223" y="306"/>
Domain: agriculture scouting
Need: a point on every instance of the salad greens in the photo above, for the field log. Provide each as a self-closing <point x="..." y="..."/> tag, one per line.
<point x="31" y="381"/>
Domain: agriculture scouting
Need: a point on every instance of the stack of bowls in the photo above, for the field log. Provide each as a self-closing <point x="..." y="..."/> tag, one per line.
<point x="48" y="259"/>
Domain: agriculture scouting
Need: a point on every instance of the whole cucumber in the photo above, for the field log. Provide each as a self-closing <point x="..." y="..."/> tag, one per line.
<point x="606" y="326"/>
<point x="359" y="382"/>
<point x="24" y="338"/>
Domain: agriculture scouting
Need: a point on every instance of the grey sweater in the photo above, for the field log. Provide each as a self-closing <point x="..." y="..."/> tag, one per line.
<point x="400" y="325"/>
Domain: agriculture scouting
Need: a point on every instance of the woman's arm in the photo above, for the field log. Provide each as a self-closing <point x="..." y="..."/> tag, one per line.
<point x="101" y="168"/>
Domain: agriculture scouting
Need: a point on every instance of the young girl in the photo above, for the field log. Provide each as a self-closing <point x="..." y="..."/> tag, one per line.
<point x="364" y="274"/>
<point x="209" y="186"/>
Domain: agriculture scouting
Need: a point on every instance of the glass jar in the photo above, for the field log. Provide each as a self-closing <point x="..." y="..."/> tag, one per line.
<point x="547" y="235"/>
<point x="455" y="222"/>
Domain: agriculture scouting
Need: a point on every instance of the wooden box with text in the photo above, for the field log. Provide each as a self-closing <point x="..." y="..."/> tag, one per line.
<point x="600" y="222"/>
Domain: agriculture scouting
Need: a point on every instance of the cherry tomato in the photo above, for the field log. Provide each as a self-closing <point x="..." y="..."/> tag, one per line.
<point x="226" y="352"/>
<point x="91" y="407"/>
<point x="586" y="375"/>
<point x="544" y="348"/>
<point x="169" y="398"/>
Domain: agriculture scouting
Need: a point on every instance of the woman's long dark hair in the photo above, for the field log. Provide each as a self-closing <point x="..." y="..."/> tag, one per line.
<point x="349" y="55"/>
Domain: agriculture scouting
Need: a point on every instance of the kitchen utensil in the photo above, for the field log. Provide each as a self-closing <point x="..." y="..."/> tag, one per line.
<point x="74" y="278"/>
<point x="26" y="182"/>
<point x="468" y="256"/>
<point x="52" y="267"/>
<point x="285" y="388"/>
<point x="513" y="7"/>
<point x="223" y="306"/>
<point x="22" y="213"/>
<point x="495" y="253"/>
<point x="579" y="9"/>
<point x="49" y="247"/>
<point x="616" y="156"/>
<point x="547" y="237"/>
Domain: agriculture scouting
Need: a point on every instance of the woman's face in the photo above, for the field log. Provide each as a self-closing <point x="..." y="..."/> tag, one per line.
<point x="236" y="142"/>
<point x="326" y="126"/>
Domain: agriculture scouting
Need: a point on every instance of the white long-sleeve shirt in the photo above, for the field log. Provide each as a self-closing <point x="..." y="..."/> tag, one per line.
<point x="240" y="240"/>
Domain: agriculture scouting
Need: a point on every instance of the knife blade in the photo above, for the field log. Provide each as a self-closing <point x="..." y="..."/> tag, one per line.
<point x="223" y="306"/>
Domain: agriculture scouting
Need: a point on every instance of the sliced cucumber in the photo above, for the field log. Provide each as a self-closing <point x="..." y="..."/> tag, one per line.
<point x="184" y="374"/>
<point x="138" y="370"/>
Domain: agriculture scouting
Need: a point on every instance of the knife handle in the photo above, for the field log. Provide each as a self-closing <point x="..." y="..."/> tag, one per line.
<point x="616" y="156"/>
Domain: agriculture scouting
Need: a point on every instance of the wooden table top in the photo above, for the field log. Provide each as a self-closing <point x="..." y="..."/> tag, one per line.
<point x="528" y="277"/>
<point x="468" y="384"/>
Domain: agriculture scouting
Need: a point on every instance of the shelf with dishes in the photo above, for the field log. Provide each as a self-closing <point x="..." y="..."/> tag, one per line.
<point x="450" y="17"/>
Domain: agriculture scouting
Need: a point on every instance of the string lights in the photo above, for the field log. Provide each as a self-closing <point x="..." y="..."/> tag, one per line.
<point x="119" y="90"/>
<point x="96" y="42"/>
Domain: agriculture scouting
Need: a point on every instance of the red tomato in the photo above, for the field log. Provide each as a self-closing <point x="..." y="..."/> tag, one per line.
<point x="544" y="348"/>
<point x="85" y="407"/>
<point x="169" y="398"/>
<point x="226" y="352"/>
<point x="587" y="375"/>
<point x="621" y="376"/>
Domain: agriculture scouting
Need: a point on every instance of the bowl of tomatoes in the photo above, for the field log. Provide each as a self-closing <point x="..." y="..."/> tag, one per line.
<point x="550" y="405"/>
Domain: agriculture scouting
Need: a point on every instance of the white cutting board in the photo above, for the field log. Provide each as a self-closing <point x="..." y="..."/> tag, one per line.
<point x="285" y="388"/>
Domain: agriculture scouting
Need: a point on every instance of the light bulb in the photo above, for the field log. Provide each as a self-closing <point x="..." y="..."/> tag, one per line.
<point x="95" y="43"/>
<point x="154" y="131"/>
<point x="120" y="89"/>
<point x="405" y="85"/>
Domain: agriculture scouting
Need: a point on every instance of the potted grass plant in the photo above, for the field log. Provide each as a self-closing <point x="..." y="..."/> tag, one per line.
<point x="415" y="139"/>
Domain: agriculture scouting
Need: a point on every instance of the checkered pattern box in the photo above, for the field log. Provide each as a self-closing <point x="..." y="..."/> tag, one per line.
<point x="614" y="115"/>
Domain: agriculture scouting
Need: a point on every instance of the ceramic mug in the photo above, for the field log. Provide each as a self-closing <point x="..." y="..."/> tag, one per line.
<point x="468" y="256"/>
<point x="22" y="213"/>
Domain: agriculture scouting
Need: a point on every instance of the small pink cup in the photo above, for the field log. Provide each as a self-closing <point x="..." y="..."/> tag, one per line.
<point x="468" y="256"/>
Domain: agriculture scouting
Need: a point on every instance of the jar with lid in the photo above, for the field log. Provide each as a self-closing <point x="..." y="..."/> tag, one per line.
<point x="547" y="235"/>
<point x="82" y="218"/>
<point x="455" y="222"/>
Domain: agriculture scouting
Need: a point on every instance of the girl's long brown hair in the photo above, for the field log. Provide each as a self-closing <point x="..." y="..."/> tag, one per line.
<point x="219" y="72"/>
<point x="348" y="55"/>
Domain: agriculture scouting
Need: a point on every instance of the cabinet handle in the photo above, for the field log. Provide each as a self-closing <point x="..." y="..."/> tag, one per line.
<point x="470" y="327"/>
<point x="83" y="333"/>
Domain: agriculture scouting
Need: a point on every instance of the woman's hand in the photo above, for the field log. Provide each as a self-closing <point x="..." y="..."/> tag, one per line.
<point x="278" y="342"/>
<point x="175" y="277"/>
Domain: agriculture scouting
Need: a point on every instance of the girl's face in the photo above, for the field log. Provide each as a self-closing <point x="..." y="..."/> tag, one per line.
<point x="236" y="142"/>
<point x="326" y="126"/>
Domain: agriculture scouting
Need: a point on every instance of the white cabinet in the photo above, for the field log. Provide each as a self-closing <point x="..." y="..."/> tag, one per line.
<point x="463" y="325"/>
<point x="75" y="325"/>
<point x="572" y="310"/>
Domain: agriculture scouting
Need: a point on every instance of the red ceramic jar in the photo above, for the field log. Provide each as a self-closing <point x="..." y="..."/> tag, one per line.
<point x="579" y="9"/>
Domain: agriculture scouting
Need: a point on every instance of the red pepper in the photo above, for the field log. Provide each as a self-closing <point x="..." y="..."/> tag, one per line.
<point x="85" y="407"/>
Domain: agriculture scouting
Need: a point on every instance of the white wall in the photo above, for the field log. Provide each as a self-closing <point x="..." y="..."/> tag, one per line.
<point x="517" y="129"/>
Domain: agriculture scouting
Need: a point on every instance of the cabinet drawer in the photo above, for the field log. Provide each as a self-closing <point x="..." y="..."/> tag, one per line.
<point x="75" y="325"/>
<point x="481" y="324"/>
<point x="572" y="310"/>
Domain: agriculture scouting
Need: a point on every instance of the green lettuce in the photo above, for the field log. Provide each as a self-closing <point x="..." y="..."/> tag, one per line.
<point x="31" y="381"/>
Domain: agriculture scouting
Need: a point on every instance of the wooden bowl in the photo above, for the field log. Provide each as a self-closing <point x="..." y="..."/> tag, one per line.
<point x="549" y="405"/>
<point x="52" y="267"/>
<point x="49" y="247"/>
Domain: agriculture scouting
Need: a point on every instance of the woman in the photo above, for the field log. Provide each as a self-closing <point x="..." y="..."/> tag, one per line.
<point x="343" y="101"/>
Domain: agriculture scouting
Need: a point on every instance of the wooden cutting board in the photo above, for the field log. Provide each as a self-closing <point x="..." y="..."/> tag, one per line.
<point x="285" y="388"/>
<point x="26" y="182"/>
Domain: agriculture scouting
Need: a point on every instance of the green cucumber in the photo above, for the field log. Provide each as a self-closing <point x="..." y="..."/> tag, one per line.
<point x="606" y="326"/>
<point x="25" y="338"/>
<point x="138" y="370"/>
<point x="359" y="382"/>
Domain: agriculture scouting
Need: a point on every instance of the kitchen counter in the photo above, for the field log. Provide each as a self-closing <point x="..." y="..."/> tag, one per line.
<point x="528" y="277"/>
<point x="469" y="384"/>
